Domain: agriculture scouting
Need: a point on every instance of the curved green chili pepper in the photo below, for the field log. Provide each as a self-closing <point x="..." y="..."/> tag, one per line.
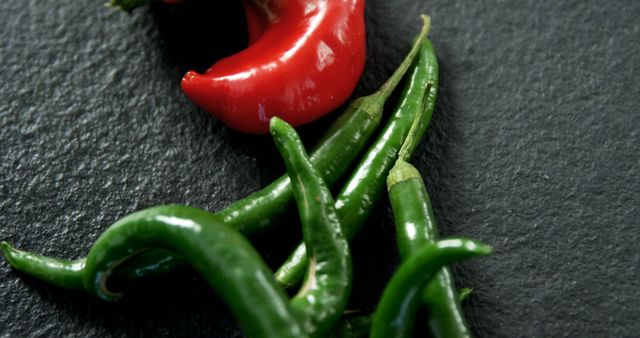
<point x="324" y="295"/>
<point x="401" y="298"/>
<point x="226" y="260"/>
<point x="359" y="195"/>
<point x="331" y="157"/>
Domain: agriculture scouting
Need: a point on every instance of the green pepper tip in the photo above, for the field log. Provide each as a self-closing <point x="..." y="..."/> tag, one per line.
<point x="276" y="125"/>
<point x="274" y="121"/>
<point x="279" y="127"/>
<point x="8" y="251"/>
<point x="473" y="247"/>
<point x="6" y="247"/>
<point x="477" y="247"/>
<point x="483" y="249"/>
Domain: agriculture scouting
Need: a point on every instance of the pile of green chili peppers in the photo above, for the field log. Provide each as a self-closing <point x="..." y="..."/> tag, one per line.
<point x="155" y="241"/>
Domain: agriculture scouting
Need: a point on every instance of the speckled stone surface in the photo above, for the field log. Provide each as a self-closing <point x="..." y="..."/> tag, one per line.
<point x="533" y="148"/>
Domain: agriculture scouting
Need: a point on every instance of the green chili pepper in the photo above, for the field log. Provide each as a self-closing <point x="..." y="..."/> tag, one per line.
<point x="325" y="293"/>
<point x="401" y="298"/>
<point x="226" y="260"/>
<point x="331" y="157"/>
<point x="416" y="227"/>
<point x="358" y="197"/>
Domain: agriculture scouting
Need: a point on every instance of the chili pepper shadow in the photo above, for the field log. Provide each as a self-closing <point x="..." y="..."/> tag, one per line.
<point x="194" y="35"/>
<point x="197" y="33"/>
<point x="178" y="302"/>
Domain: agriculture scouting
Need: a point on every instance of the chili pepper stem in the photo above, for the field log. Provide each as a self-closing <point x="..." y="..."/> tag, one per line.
<point x="374" y="103"/>
<point x="401" y="172"/>
<point x="387" y="88"/>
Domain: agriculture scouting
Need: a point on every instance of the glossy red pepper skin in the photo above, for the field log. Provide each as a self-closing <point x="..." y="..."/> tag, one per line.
<point x="306" y="63"/>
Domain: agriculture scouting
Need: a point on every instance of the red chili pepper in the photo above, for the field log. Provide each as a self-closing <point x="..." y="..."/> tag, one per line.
<point x="305" y="59"/>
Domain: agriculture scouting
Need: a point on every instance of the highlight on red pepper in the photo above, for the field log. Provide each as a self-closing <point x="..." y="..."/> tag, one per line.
<point x="304" y="60"/>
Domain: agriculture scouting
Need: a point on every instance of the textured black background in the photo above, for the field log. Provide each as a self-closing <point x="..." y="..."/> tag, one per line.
<point x="533" y="149"/>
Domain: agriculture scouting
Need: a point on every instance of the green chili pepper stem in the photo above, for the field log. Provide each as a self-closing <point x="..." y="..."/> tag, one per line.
<point x="392" y="83"/>
<point x="415" y="228"/>
<point x="400" y="299"/>
<point x="67" y="274"/>
<point x="401" y="172"/>
<point x="226" y="260"/>
<point x="324" y="296"/>
<point x="358" y="196"/>
<point x="412" y="210"/>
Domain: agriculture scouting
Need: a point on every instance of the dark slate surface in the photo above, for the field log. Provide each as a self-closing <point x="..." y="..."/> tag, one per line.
<point x="533" y="149"/>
